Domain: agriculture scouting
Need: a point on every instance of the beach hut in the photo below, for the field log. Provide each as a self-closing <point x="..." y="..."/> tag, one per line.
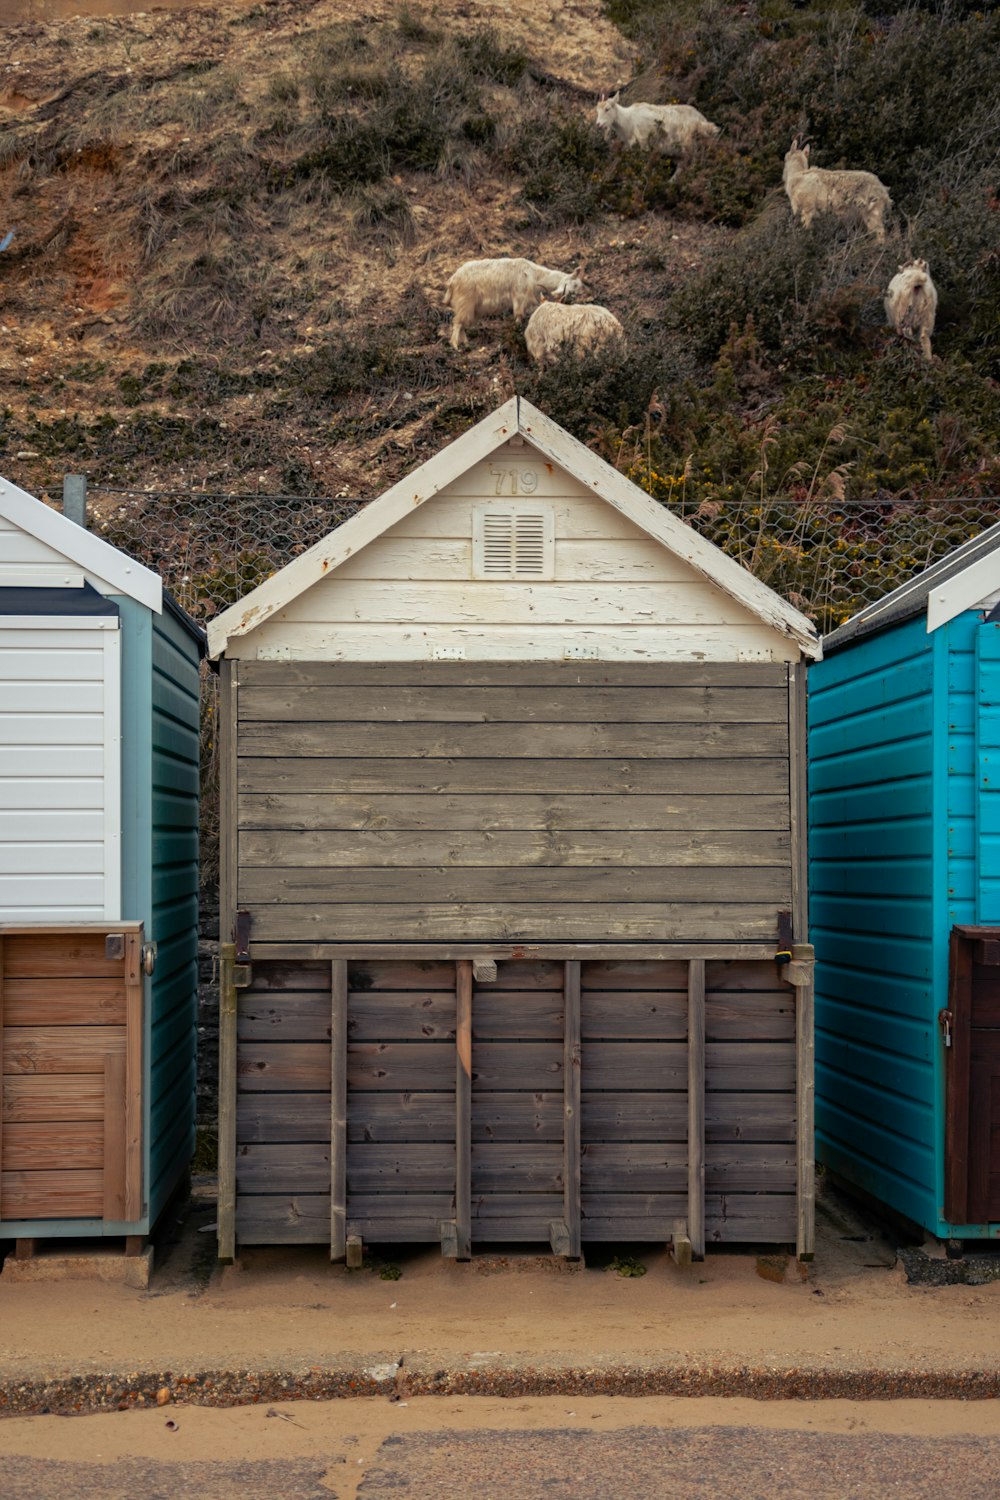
<point x="905" y="895"/>
<point x="513" y="873"/>
<point x="98" y="882"/>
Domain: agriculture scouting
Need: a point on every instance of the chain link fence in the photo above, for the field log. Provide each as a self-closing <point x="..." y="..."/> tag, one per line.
<point x="827" y="558"/>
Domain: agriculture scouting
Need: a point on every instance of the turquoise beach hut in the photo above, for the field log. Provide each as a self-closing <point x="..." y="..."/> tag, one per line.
<point x="904" y="808"/>
<point x="99" y="690"/>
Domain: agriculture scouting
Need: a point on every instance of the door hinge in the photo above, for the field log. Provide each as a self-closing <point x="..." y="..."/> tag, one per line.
<point x="241" y="937"/>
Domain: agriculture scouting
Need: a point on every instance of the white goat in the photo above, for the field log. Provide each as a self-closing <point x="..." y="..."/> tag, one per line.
<point x="481" y="287"/>
<point x="674" y="127"/>
<point x="849" y="195"/>
<point x="911" y="304"/>
<point x="554" y="329"/>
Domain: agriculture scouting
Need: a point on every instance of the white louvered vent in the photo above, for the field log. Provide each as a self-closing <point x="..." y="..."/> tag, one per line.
<point x="513" y="541"/>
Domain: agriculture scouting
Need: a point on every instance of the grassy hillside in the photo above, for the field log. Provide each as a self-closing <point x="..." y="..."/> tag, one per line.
<point x="234" y="227"/>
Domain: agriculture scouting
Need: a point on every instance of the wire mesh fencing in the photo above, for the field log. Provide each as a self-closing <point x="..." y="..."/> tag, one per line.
<point x="827" y="558"/>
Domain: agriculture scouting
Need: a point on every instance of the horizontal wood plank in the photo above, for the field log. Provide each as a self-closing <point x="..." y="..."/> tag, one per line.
<point x="751" y="1218"/>
<point x="753" y="1016"/>
<point x="750" y="1117"/>
<point x="512" y="674"/>
<point x="51" y="1195"/>
<point x="290" y="1016"/>
<point x="513" y="1015"/>
<point x="745" y="1168"/>
<point x="401" y="974"/>
<point x="54" y="955"/>
<point x="47" y="1096"/>
<point x="619" y="776"/>
<point x="271" y="975"/>
<point x="373" y="1117"/>
<point x="753" y="1066"/>
<point x="283" y="1219"/>
<point x="621" y="1066"/>
<point x="584" y="741"/>
<point x="617" y="1167"/>
<point x="70" y="1001"/>
<point x="618" y="1015"/>
<point x="708" y="812"/>
<point x="286" y="856"/>
<point x="320" y="703"/>
<point x="400" y="1065"/>
<point x="283" y="1066"/>
<point x="469" y="923"/>
<point x="411" y="1015"/>
<point x="52" y="1146"/>
<point x="523" y="1167"/>
<point x="634" y="1116"/>
<point x="60" y="1049"/>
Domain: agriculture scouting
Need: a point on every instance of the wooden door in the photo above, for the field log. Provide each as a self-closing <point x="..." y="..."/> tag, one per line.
<point x="71" y="1052"/>
<point x="972" y="1182"/>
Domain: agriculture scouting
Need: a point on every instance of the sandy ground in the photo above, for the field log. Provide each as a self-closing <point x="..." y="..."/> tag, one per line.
<point x="288" y="1308"/>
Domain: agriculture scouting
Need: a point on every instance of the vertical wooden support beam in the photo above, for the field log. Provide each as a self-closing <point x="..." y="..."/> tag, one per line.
<point x="696" y="1107"/>
<point x="114" y="1172"/>
<point x="226" y="728"/>
<point x="802" y="976"/>
<point x="135" y="986"/>
<point x="463" y="1109"/>
<point x="572" y="1060"/>
<point x="227" y="1102"/>
<point x="338" y="1109"/>
<point x="798" y="799"/>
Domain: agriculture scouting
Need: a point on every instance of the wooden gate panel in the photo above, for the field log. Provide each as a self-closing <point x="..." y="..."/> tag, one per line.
<point x="71" y="1067"/>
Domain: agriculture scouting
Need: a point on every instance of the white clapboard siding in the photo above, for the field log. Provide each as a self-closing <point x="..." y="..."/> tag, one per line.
<point x="60" y="754"/>
<point x="583" y="519"/>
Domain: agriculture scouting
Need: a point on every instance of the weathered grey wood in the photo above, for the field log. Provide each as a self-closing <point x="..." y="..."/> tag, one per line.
<point x="586" y="741"/>
<point x="463" y="1108"/>
<point x="797" y="765"/>
<point x="751" y="1017"/>
<point x="269" y="1066"/>
<point x="517" y="1167"/>
<point x="354" y="1252"/>
<point x="521" y="1117"/>
<point x="634" y="975"/>
<point x="745" y="1168"/>
<point x="262" y="1118"/>
<point x="513" y="674"/>
<point x="559" y="1238"/>
<point x="495" y="1214"/>
<point x="297" y="1016"/>
<point x="512" y="1015"/>
<point x="750" y="1065"/>
<point x="226" y="709"/>
<point x="484" y="970"/>
<point x="638" y="1216"/>
<point x="411" y="1015"/>
<point x="750" y="1117"/>
<point x="408" y="1117"/>
<point x="634" y="1117"/>
<point x="310" y="861"/>
<point x="270" y="977"/>
<point x="283" y="1219"/>
<point x="725" y="976"/>
<point x="713" y="810"/>
<point x="618" y="1015"/>
<point x="298" y="1168"/>
<point x="572" y="1066"/>
<point x="681" y="1247"/>
<point x="632" y="1166"/>
<point x="400" y="1065"/>
<point x="523" y="1066"/>
<point x="396" y="975"/>
<point x="619" y="1066"/>
<point x="767" y="776"/>
<point x="321" y="703"/>
<point x="476" y="924"/>
<point x="805" y="1067"/>
<point x="228" y="1066"/>
<point x="696" y="1109"/>
<point x="733" y="1218"/>
<point x="426" y="1167"/>
<point x="338" y="1109"/>
<point x="449" y="1239"/>
<point x="389" y="952"/>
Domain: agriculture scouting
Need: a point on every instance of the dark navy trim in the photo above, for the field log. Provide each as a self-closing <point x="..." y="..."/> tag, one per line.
<point x="48" y="601"/>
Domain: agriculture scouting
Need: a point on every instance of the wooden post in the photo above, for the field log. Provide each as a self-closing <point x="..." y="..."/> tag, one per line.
<point x="227" y="1102"/>
<point x="228" y="811"/>
<point x="134" y="1074"/>
<point x="338" y="1109"/>
<point x="114" y="1174"/>
<point x="696" y="1108"/>
<point x="798" y="805"/>
<point x="801" y="974"/>
<point x="571" y="1107"/>
<point x="463" y="1109"/>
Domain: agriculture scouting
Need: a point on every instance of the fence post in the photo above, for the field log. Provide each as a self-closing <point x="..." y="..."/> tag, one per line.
<point x="75" y="498"/>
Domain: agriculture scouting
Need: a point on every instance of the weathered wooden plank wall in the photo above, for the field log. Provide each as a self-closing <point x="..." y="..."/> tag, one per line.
<point x="470" y="802"/>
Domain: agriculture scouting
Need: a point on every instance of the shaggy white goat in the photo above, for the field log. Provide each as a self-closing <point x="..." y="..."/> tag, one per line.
<point x="674" y="127"/>
<point x="554" y="329"/>
<point x="911" y="304"/>
<point x="481" y="287"/>
<point x="849" y="195"/>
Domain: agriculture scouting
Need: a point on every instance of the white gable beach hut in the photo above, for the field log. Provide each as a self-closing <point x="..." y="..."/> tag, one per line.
<point x="512" y="869"/>
<point x="98" y="883"/>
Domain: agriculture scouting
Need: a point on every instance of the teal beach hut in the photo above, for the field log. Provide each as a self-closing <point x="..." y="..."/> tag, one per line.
<point x="904" y="839"/>
<point x="99" y="691"/>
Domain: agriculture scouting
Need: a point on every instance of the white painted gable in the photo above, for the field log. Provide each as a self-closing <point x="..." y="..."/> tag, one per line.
<point x="621" y="578"/>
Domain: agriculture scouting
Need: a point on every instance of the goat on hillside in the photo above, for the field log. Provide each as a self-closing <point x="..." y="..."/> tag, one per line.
<point x="849" y="195"/>
<point x="673" y="127"/>
<point x="911" y="304"/>
<point x="483" y="287"/>
<point x="583" y="329"/>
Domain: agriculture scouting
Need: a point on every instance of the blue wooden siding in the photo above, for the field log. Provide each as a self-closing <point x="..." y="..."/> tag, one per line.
<point x="872" y="794"/>
<point x="987" y="772"/>
<point x="174" y="906"/>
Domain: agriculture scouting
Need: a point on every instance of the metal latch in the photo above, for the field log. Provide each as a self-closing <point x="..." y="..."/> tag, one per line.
<point x="148" y="957"/>
<point x="945" y="1021"/>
